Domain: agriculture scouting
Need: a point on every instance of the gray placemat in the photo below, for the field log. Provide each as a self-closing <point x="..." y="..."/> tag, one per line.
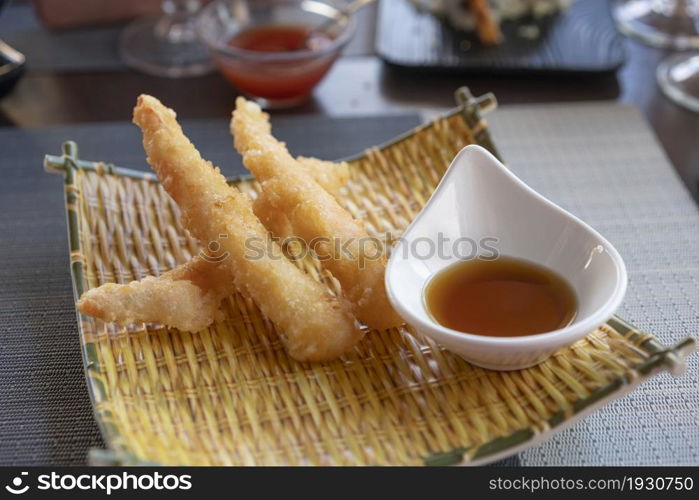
<point x="95" y="48"/>
<point x="602" y="162"/>
<point x="598" y="160"/>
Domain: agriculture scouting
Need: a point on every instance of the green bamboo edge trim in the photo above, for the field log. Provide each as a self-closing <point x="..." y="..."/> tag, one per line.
<point x="664" y="359"/>
<point x="470" y="109"/>
<point x="89" y="356"/>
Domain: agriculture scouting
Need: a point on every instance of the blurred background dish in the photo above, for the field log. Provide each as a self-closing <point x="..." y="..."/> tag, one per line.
<point x="577" y="37"/>
<point x="474" y="16"/>
<point x="260" y="46"/>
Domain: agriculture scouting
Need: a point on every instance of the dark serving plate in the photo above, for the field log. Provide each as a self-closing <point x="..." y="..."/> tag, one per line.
<point x="581" y="40"/>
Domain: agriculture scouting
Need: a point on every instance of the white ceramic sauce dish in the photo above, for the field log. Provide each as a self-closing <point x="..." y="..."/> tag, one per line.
<point x="479" y="200"/>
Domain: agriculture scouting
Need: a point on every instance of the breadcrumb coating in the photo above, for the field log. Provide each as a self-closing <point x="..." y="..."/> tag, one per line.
<point x="314" y="325"/>
<point x="179" y="305"/>
<point x="315" y="216"/>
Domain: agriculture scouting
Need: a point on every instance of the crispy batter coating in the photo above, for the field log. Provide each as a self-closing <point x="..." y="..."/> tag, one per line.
<point x="179" y="304"/>
<point x="276" y="222"/>
<point x="331" y="176"/>
<point x="188" y="297"/>
<point x="316" y="217"/>
<point x="313" y="324"/>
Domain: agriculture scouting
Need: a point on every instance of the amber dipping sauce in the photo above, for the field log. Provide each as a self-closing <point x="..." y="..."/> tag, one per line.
<point x="278" y="79"/>
<point x="505" y="297"/>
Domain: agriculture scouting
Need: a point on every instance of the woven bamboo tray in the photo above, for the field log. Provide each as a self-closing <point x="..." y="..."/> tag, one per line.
<point x="230" y="394"/>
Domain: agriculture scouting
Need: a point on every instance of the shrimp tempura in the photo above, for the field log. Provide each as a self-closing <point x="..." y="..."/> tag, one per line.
<point x="313" y="324"/>
<point x="315" y="216"/>
<point x="188" y="297"/>
<point x="331" y="176"/>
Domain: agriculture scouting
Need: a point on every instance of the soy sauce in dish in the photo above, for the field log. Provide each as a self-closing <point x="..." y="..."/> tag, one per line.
<point x="505" y="297"/>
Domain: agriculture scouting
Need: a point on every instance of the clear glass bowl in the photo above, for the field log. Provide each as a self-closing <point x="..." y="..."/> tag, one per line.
<point x="660" y="23"/>
<point x="273" y="79"/>
<point x="678" y="77"/>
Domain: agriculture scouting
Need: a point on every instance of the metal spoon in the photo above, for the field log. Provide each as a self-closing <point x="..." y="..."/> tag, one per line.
<point x="341" y="14"/>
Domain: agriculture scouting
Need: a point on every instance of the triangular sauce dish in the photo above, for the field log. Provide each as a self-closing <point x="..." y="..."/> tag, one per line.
<point x="480" y="204"/>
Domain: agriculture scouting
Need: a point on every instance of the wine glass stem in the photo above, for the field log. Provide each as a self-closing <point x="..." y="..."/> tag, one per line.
<point x="177" y="23"/>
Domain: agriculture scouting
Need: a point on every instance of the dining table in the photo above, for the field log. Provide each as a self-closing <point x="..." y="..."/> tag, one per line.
<point x="610" y="147"/>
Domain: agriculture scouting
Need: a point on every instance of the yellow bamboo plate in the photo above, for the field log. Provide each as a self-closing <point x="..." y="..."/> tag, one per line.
<point x="229" y="394"/>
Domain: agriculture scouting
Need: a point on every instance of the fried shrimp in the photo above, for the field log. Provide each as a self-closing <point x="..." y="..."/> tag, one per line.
<point x="331" y="176"/>
<point x="315" y="216"/>
<point x="313" y="324"/>
<point x="186" y="298"/>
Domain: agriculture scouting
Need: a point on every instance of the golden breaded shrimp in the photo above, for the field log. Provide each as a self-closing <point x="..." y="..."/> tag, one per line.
<point x="316" y="217"/>
<point x="331" y="176"/>
<point x="188" y="297"/>
<point x="312" y="323"/>
<point x="179" y="304"/>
